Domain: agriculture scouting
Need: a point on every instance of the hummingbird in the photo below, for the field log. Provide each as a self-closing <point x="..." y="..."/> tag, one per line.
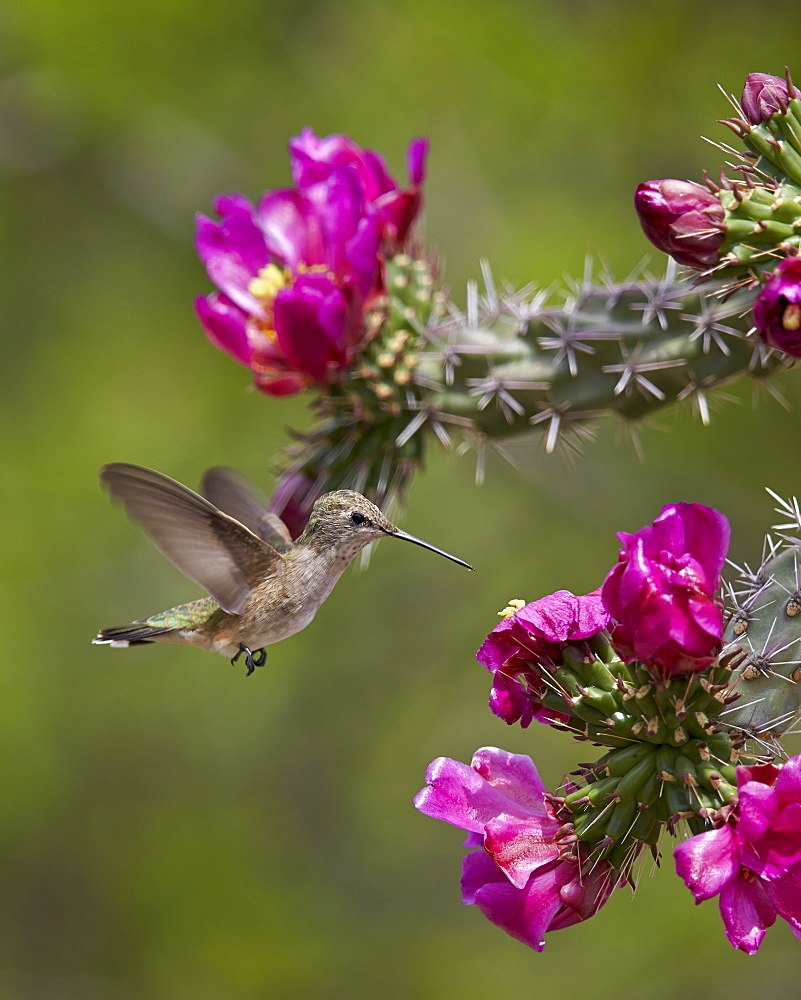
<point x="262" y="586"/>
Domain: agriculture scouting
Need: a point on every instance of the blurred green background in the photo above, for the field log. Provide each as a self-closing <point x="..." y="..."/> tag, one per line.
<point x="168" y="829"/>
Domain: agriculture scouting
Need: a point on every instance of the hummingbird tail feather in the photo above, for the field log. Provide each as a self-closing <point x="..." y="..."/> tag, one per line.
<point x="132" y="634"/>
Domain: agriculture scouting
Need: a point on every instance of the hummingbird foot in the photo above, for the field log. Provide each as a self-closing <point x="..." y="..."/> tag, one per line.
<point x="251" y="661"/>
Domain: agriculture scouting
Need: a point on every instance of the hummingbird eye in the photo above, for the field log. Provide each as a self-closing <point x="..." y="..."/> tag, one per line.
<point x="358" y="518"/>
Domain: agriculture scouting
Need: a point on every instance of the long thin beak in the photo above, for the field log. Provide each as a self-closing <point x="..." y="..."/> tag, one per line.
<point x="406" y="537"/>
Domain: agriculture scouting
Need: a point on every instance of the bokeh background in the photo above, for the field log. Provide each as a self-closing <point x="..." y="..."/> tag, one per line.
<point x="170" y="830"/>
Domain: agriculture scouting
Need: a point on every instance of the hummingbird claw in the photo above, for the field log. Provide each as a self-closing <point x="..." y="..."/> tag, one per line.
<point x="251" y="661"/>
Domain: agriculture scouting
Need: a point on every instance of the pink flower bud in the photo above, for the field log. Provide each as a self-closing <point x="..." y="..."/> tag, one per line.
<point x="764" y="95"/>
<point x="683" y="219"/>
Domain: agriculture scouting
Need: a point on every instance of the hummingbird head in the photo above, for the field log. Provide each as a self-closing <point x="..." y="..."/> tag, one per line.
<point x="345" y="522"/>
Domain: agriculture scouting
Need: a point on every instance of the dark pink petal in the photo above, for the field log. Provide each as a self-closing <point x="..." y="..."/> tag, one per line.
<point x="225" y="325"/>
<point x="234" y="251"/>
<point x="505" y="640"/>
<point x="361" y="253"/>
<point x="525" y="914"/>
<point x="374" y="175"/>
<point x="519" y="847"/>
<point x="788" y="783"/>
<point x="314" y="158"/>
<point x="397" y="211"/>
<point x="747" y="912"/>
<point x="416" y="155"/>
<point x="280" y="383"/>
<point x="662" y="590"/>
<point x="563" y="617"/>
<point x="339" y="205"/>
<point x="702" y="531"/>
<point x="310" y="324"/>
<point x="758" y="806"/>
<point x="766" y="773"/>
<point x="785" y="894"/>
<point x="707" y="862"/>
<point x="478" y="869"/>
<point x="510" y="701"/>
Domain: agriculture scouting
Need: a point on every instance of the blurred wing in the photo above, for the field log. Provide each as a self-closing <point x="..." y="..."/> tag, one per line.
<point x="232" y="493"/>
<point x="215" y="550"/>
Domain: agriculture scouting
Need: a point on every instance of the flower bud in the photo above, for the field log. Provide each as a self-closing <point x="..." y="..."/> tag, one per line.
<point x="683" y="219"/>
<point x="764" y="95"/>
<point x="293" y="499"/>
<point x="777" y="308"/>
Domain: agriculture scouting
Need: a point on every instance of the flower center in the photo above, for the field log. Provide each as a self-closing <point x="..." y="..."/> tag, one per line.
<point x="265" y="286"/>
<point x="791" y="318"/>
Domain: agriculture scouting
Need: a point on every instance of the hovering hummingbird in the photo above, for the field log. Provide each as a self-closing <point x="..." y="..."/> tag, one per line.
<point x="262" y="586"/>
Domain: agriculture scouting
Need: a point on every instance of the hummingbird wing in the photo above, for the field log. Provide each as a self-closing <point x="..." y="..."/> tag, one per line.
<point x="210" y="547"/>
<point x="233" y="494"/>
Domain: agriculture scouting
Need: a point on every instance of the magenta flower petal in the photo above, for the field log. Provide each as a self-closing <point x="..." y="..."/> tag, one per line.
<point x="292" y="231"/>
<point x="520" y="647"/>
<point x="280" y="383"/>
<point x="520" y="846"/>
<point x="464" y="797"/>
<point x="563" y="617"/>
<point x="305" y="266"/>
<point x="707" y="862"/>
<point x="314" y="158"/>
<point x="525" y="914"/>
<point x="311" y="324"/>
<point x="766" y="773"/>
<point x="361" y="252"/>
<point x="510" y="702"/>
<point x="777" y="308"/>
<point x="788" y="782"/>
<point x="416" y="160"/>
<point x="514" y="774"/>
<point x="758" y="806"/>
<point x="233" y="250"/>
<point x="225" y="325"/>
<point x="747" y="912"/>
<point x="662" y="591"/>
<point x="754" y="860"/>
<point x="785" y="895"/>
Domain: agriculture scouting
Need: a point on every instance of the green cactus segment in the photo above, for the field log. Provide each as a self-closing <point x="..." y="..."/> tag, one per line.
<point x="608" y="702"/>
<point x="623" y="349"/>
<point x="512" y="364"/>
<point x="626" y="798"/>
<point x="763" y="641"/>
<point x="758" y="221"/>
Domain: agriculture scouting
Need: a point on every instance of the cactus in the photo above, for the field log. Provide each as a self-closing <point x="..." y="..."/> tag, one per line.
<point x="512" y="364"/>
<point x="763" y="637"/>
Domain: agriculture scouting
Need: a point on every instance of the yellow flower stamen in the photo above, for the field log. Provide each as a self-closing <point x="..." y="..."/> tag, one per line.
<point x="512" y="608"/>
<point x="268" y="283"/>
<point x="791" y="320"/>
